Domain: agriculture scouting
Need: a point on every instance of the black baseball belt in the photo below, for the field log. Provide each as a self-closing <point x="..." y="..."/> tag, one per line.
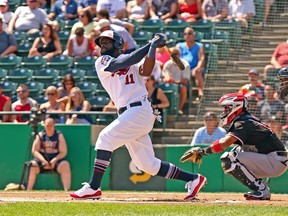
<point x="134" y="104"/>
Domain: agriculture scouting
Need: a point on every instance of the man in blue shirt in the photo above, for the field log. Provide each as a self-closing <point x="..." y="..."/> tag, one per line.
<point x="64" y="9"/>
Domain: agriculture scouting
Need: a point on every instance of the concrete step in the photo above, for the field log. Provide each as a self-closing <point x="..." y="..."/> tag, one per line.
<point x="176" y="140"/>
<point x="188" y="124"/>
<point x="173" y="132"/>
<point x="261" y="50"/>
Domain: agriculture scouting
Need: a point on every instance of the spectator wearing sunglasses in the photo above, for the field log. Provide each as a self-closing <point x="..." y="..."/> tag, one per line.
<point x="68" y="82"/>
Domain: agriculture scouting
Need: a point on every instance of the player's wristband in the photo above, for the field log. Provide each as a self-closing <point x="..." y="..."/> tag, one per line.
<point x="214" y="148"/>
<point x="152" y="51"/>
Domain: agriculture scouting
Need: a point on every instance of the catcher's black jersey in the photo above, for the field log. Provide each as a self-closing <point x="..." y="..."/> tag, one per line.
<point x="253" y="135"/>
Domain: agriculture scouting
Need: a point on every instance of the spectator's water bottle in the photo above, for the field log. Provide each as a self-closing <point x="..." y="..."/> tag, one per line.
<point x="62" y="120"/>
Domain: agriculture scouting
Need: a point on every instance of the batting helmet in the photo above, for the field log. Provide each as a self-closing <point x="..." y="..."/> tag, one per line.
<point x="282" y="73"/>
<point x="118" y="40"/>
<point x="233" y="104"/>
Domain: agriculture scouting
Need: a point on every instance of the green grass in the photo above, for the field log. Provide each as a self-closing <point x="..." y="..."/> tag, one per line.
<point x="123" y="209"/>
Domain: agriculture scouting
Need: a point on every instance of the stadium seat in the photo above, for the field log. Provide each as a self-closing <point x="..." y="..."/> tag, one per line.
<point x="66" y="25"/>
<point x="33" y="36"/>
<point x="35" y="88"/>
<point x="77" y="73"/>
<point x="135" y="23"/>
<point x="176" y="25"/>
<point x="88" y="88"/>
<point x="154" y="26"/>
<point x="142" y="37"/>
<point x="10" y="62"/>
<point x="204" y="26"/>
<point x="3" y="74"/>
<point x="20" y="75"/>
<point x="172" y="38"/>
<point x="198" y="36"/>
<point x="41" y="99"/>
<point x="34" y="63"/>
<point x="171" y="90"/>
<point x="211" y="56"/>
<point x="91" y="75"/>
<point x="60" y="62"/>
<point x="23" y="48"/>
<point x="9" y="88"/>
<point x="46" y="75"/>
<point x="85" y="63"/>
<point x="63" y="37"/>
<point x="20" y="36"/>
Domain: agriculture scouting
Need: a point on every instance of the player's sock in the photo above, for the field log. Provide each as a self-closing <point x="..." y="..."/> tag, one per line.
<point x="170" y="171"/>
<point x="101" y="163"/>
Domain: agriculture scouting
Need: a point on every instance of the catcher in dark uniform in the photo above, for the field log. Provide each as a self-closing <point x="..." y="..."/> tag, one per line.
<point x="282" y="76"/>
<point x="258" y="152"/>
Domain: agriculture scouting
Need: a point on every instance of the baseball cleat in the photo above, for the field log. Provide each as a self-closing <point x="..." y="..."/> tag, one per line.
<point x="194" y="187"/>
<point x="86" y="192"/>
<point x="259" y="195"/>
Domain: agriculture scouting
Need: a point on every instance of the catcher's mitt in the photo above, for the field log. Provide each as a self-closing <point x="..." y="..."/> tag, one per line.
<point x="194" y="154"/>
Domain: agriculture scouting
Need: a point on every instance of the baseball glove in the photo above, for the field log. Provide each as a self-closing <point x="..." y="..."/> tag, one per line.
<point x="194" y="154"/>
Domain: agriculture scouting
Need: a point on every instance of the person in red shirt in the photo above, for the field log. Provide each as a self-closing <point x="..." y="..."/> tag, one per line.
<point x="25" y="103"/>
<point x="5" y="105"/>
<point x="190" y="10"/>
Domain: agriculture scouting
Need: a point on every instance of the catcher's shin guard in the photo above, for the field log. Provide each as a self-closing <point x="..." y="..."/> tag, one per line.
<point x="232" y="166"/>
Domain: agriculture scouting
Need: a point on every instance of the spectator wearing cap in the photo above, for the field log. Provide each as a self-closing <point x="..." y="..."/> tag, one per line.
<point x="64" y="10"/>
<point x="5" y="105"/>
<point x="129" y="42"/>
<point x="8" y="44"/>
<point x="254" y="88"/>
<point x="116" y="8"/>
<point x="209" y="133"/>
<point x="78" y="45"/>
<point x="5" y="14"/>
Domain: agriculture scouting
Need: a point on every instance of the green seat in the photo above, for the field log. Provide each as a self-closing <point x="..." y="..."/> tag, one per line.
<point x="199" y="36"/>
<point x="176" y="25"/>
<point x="142" y="37"/>
<point x="172" y="38"/>
<point x="10" y="62"/>
<point x="91" y="75"/>
<point x="35" y="88"/>
<point x="63" y="37"/>
<point x="221" y="39"/>
<point x="211" y="56"/>
<point x="85" y="63"/>
<point x="60" y="62"/>
<point x="171" y="90"/>
<point x="100" y="90"/>
<point x="13" y="4"/>
<point x="46" y="75"/>
<point x="34" y="63"/>
<point x="33" y="36"/>
<point x="135" y="23"/>
<point x="20" y="36"/>
<point x="77" y="73"/>
<point x="20" y="75"/>
<point x="41" y="99"/>
<point x="66" y="24"/>
<point x="153" y="26"/>
<point x="23" y="49"/>
<point x="204" y="26"/>
<point x="88" y="88"/>
<point x="9" y="88"/>
<point x="3" y="74"/>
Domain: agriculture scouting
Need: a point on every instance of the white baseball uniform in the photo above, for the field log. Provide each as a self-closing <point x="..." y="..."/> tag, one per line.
<point x="131" y="128"/>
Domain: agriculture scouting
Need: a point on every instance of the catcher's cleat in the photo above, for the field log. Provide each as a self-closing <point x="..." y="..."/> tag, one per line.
<point x="86" y="192"/>
<point x="259" y="195"/>
<point x="194" y="187"/>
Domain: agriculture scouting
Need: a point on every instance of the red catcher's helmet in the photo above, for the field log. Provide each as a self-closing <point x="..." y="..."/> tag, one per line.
<point x="118" y="40"/>
<point x="233" y="104"/>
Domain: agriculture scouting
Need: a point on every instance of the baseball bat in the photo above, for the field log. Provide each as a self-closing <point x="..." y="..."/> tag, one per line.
<point x="175" y="58"/>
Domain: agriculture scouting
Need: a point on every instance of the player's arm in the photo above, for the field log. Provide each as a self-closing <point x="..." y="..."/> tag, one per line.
<point x="220" y="144"/>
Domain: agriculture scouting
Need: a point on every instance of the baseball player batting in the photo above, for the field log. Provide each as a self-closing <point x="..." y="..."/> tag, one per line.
<point x="258" y="153"/>
<point x="120" y="76"/>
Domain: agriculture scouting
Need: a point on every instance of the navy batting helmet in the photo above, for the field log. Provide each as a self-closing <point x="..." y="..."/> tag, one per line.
<point x="282" y="73"/>
<point x="118" y="40"/>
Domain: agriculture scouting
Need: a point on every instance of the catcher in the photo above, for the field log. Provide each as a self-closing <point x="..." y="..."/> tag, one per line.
<point x="258" y="152"/>
<point x="282" y="76"/>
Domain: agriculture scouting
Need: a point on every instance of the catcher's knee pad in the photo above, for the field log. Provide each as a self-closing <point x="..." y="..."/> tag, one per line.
<point x="231" y="165"/>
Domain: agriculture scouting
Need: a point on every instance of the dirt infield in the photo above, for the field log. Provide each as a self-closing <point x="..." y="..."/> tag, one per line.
<point x="141" y="197"/>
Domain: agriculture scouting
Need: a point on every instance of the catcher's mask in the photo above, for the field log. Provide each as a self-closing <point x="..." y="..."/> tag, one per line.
<point x="233" y="104"/>
<point x="118" y="44"/>
<point x="282" y="76"/>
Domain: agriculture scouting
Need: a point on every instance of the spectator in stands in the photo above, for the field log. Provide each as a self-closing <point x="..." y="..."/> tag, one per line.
<point x="190" y="10"/>
<point x="49" y="150"/>
<point x="28" y="18"/>
<point x="166" y="10"/>
<point x="5" y="14"/>
<point x="138" y="10"/>
<point x="77" y="102"/>
<point x="8" y="44"/>
<point x="241" y="10"/>
<point x="156" y="72"/>
<point x="268" y="4"/>
<point x="193" y="52"/>
<point x="271" y="108"/>
<point x="78" y="45"/>
<point x="278" y="60"/>
<point x="173" y="74"/>
<point x="210" y="132"/>
<point x="156" y="96"/>
<point x="47" y="45"/>
<point x="5" y="105"/>
<point x="252" y="105"/>
<point x="129" y="42"/>
<point x="68" y="82"/>
<point x="88" y="5"/>
<point x="116" y="8"/>
<point x="85" y="21"/>
<point x="215" y="10"/>
<point x="52" y="104"/>
<point x="64" y="10"/>
<point x="162" y="56"/>
<point x="254" y="88"/>
<point x="25" y="103"/>
<point x="104" y="14"/>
